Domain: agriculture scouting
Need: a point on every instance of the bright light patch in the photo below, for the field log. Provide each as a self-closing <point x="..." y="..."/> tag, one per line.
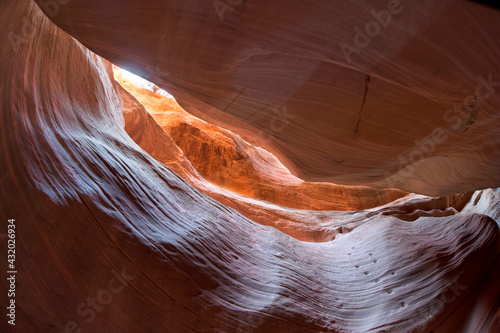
<point x="139" y="81"/>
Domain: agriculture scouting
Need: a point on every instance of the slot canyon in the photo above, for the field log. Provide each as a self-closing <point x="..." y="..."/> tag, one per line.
<point x="275" y="166"/>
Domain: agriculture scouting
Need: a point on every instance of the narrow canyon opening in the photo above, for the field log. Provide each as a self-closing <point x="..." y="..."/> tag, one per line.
<point x="321" y="166"/>
<point x="237" y="170"/>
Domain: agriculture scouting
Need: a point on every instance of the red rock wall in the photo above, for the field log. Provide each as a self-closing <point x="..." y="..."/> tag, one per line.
<point x="412" y="103"/>
<point x="228" y="161"/>
<point x="111" y="240"/>
<point x="304" y="225"/>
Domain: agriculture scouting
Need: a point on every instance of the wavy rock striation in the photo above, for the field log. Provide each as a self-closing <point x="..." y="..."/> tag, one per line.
<point x="231" y="163"/>
<point x="305" y="225"/>
<point x="387" y="93"/>
<point x="112" y="240"/>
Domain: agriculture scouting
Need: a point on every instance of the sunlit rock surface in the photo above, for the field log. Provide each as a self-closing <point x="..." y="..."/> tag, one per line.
<point x="305" y="225"/>
<point x="412" y="104"/>
<point x="231" y="163"/>
<point x="100" y="221"/>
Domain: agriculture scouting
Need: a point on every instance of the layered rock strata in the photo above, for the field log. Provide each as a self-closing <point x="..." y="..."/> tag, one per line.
<point x="109" y="239"/>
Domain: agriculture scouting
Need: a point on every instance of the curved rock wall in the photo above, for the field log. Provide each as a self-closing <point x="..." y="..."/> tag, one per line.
<point x="304" y="225"/>
<point x="111" y="240"/>
<point x="228" y="161"/>
<point x="383" y="93"/>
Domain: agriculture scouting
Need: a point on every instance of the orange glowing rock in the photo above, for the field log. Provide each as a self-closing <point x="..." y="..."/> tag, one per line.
<point x="110" y="239"/>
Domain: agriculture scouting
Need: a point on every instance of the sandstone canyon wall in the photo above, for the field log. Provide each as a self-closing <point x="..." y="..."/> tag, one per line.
<point x="117" y="231"/>
<point x="414" y="106"/>
<point x="228" y="161"/>
<point x="305" y="225"/>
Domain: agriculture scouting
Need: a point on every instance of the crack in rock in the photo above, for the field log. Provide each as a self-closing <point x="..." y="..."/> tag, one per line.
<point x="367" y="80"/>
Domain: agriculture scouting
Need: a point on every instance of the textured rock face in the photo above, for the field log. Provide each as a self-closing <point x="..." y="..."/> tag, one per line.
<point x="304" y="225"/>
<point x="384" y="93"/>
<point x="109" y="239"/>
<point x="231" y="163"/>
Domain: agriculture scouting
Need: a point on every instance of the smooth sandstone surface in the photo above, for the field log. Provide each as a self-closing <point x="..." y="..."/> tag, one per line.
<point x="304" y="225"/>
<point x="338" y="91"/>
<point x="228" y="161"/>
<point x="102" y="221"/>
